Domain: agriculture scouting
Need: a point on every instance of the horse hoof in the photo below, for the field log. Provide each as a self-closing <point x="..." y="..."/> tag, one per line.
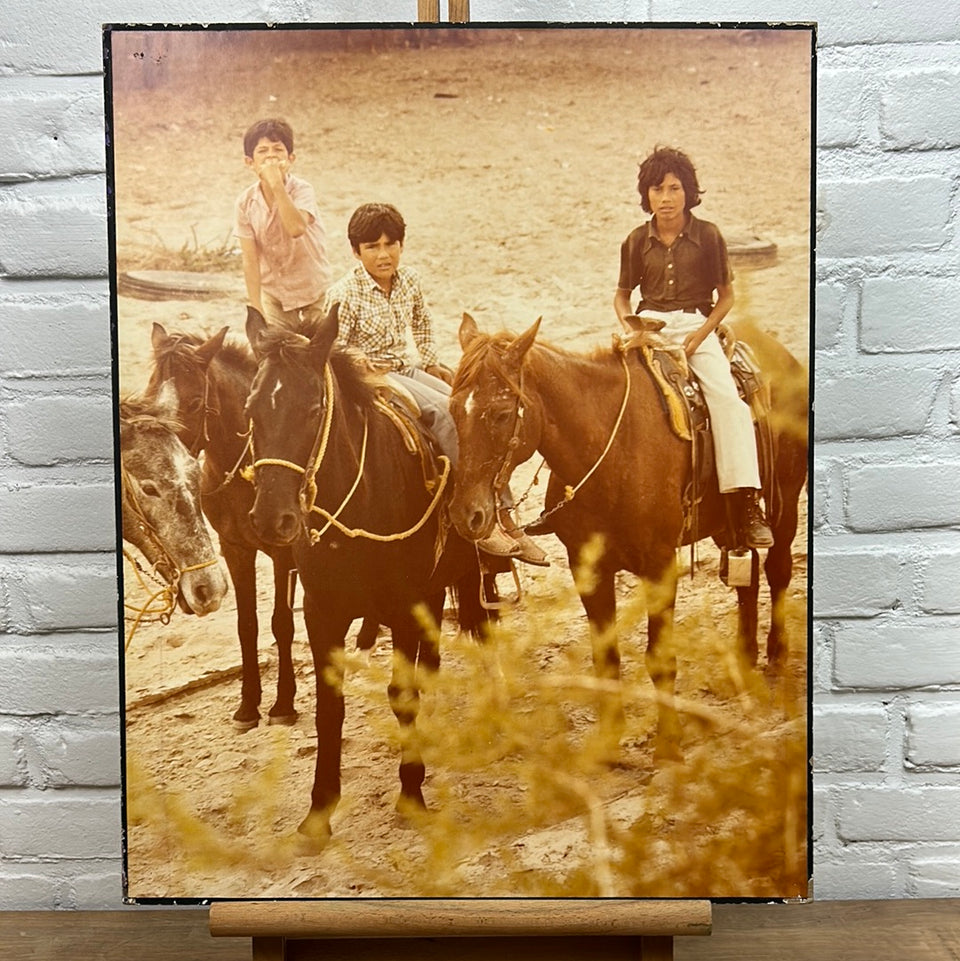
<point x="667" y="753"/>
<point x="314" y="832"/>
<point x="411" y="806"/>
<point x="243" y="722"/>
<point x="286" y="719"/>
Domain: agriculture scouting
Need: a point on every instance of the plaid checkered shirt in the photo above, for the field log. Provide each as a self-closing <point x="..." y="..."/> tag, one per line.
<point x="377" y="323"/>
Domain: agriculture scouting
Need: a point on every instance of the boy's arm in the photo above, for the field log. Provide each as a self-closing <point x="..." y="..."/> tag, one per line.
<point x="294" y="221"/>
<point x="251" y="271"/>
<point x="621" y="304"/>
<point x="421" y="325"/>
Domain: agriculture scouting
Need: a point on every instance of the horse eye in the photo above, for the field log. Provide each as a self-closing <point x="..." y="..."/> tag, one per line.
<point x="150" y="488"/>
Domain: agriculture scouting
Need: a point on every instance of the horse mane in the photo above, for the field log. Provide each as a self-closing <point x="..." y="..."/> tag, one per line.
<point x="358" y="382"/>
<point x="486" y="351"/>
<point x="143" y="413"/>
<point x="180" y="350"/>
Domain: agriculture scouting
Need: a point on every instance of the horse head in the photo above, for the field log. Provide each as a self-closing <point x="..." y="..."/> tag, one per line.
<point x="496" y="428"/>
<point x="184" y="361"/>
<point x="286" y="409"/>
<point x="161" y="502"/>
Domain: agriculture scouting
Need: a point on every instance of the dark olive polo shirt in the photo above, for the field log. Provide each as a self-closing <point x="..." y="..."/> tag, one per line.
<point x="681" y="276"/>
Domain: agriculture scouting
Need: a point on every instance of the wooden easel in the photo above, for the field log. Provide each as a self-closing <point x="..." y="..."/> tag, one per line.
<point x="551" y="929"/>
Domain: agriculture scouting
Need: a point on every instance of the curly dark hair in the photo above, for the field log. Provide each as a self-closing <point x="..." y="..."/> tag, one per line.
<point x="663" y="161"/>
<point x="273" y="128"/>
<point x="370" y="221"/>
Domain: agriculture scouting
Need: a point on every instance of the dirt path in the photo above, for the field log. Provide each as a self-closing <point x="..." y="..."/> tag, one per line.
<point x="513" y="160"/>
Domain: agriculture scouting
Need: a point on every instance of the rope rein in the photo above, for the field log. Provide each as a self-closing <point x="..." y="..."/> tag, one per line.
<point x="308" y="489"/>
<point x="570" y="492"/>
<point x="160" y="604"/>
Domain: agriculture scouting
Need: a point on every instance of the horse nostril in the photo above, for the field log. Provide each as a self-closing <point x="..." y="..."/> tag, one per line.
<point x="476" y="521"/>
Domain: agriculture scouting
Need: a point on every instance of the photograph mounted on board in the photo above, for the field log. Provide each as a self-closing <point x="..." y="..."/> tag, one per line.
<point x="462" y="402"/>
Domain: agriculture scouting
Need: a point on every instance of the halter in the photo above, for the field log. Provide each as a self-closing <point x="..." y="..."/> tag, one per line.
<point x="160" y="604"/>
<point x="307" y="496"/>
<point x="503" y="474"/>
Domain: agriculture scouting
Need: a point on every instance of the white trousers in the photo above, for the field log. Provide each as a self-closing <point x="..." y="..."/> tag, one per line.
<point x="734" y="442"/>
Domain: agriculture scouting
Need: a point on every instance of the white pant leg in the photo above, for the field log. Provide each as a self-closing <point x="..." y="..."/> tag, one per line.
<point x="734" y="441"/>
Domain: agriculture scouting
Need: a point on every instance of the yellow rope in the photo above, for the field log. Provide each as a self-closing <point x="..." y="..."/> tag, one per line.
<point x="570" y="492"/>
<point x="387" y="538"/>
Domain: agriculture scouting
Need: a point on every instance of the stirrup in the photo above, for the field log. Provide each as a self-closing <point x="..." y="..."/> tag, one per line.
<point x="506" y="602"/>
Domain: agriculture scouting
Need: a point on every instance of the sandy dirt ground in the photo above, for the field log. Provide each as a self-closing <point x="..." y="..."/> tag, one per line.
<point x="513" y="158"/>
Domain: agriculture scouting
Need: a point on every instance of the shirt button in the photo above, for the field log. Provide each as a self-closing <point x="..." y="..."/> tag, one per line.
<point x="669" y="281"/>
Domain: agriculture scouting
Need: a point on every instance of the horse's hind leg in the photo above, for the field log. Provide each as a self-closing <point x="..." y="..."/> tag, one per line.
<point x="779" y="571"/>
<point x="283" y="710"/>
<point x="241" y="562"/>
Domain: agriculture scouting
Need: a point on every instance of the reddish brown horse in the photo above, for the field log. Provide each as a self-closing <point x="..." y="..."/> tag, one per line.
<point x="600" y="424"/>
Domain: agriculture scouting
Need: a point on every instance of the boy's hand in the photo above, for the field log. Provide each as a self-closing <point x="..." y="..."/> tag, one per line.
<point x="272" y="173"/>
<point x="441" y="372"/>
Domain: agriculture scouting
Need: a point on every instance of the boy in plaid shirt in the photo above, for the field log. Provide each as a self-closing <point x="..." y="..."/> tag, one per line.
<point x="380" y="301"/>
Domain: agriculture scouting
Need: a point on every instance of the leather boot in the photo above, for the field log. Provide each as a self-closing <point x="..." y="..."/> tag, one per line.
<point x="529" y="552"/>
<point x="753" y="525"/>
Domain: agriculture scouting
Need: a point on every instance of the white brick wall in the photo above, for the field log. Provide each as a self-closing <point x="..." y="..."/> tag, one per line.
<point x="887" y="604"/>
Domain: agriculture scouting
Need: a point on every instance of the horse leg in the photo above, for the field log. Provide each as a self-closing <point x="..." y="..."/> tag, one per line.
<point x="661" y="660"/>
<point x="600" y="603"/>
<point x="409" y="640"/>
<point x="326" y="630"/>
<point x="367" y="636"/>
<point x="281" y="623"/>
<point x="747" y="598"/>
<point x="241" y="563"/>
<point x="779" y="570"/>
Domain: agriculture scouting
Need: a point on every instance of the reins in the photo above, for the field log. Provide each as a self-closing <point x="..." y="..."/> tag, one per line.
<point x="161" y="603"/>
<point x="569" y="492"/>
<point x="308" y="489"/>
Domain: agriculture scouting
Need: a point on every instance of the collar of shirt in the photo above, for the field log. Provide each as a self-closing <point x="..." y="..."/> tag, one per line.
<point x="691" y="231"/>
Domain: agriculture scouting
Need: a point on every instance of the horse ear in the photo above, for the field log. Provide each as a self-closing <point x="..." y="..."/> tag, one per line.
<point x="208" y="350"/>
<point x="326" y="333"/>
<point x="158" y="336"/>
<point x="468" y="331"/>
<point x="515" y="353"/>
<point x="256" y="327"/>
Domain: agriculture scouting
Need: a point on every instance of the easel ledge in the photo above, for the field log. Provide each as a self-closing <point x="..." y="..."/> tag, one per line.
<point x="287" y="929"/>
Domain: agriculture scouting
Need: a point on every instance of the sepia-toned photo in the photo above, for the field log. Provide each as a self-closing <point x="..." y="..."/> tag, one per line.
<point x="462" y="383"/>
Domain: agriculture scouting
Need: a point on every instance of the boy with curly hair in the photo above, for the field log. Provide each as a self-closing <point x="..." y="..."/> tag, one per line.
<point x="679" y="262"/>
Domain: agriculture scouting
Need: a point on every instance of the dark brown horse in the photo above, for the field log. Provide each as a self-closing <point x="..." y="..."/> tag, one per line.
<point x="336" y="481"/>
<point x="599" y="423"/>
<point x="212" y="379"/>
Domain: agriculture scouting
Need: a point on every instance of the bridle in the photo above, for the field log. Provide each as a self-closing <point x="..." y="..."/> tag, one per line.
<point x="161" y="603"/>
<point x="307" y="496"/>
<point x="570" y="491"/>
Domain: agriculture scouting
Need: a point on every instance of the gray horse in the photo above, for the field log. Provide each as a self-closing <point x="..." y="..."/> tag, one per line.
<point x="161" y="505"/>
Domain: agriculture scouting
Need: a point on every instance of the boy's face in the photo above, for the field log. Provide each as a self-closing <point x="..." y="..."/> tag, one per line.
<point x="668" y="201"/>
<point x="269" y="152"/>
<point x="380" y="258"/>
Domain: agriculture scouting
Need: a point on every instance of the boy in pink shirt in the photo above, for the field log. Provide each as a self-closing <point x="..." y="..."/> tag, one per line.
<point x="282" y="240"/>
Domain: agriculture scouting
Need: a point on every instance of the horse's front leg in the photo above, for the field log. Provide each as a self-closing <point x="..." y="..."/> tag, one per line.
<point x="661" y="659"/>
<point x="600" y="602"/>
<point x="241" y="563"/>
<point x="326" y="629"/>
<point x="283" y="710"/>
